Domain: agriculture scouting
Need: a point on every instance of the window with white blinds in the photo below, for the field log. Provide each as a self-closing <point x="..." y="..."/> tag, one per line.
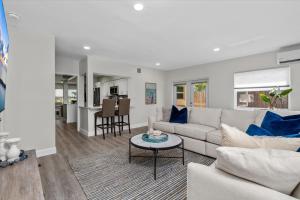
<point x="275" y="77"/>
<point x="249" y="85"/>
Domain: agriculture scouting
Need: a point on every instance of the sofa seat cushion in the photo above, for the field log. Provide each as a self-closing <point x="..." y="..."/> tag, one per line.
<point x="164" y="126"/>
<point x="214" y="137"/>
<point x="195" y="131"/>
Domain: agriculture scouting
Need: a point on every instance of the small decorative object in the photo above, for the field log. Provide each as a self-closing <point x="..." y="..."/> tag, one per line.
<point x="156" y="133"/>
<point x="155" y="139"/>
<point x="3" y="150"/>
<point x="21" y="157"/>
<point x="150" y="131"/>
<point x="150" y="93"/>
<point x="13" y="152"/>
<point x="274" y="97"/>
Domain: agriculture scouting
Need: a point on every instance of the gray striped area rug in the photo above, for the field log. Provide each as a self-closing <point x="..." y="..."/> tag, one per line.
<point x="111" y="176"/>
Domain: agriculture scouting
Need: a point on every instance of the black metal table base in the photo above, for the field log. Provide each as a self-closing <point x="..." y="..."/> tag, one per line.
<point x="155" y="154"/>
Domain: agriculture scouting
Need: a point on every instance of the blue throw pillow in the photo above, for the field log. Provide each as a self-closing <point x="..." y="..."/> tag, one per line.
<point x="291" y="117"/>
<point x="280" y="126"/>
<point x="254" y="130"/>
<point x="292" y="136"/>
<point x="269" y="117"/>
<point x="298" y="150"/>
<point x="178" y="116"/>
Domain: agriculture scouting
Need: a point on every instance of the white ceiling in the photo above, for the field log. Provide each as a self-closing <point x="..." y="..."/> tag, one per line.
<point x="176" y="33"/>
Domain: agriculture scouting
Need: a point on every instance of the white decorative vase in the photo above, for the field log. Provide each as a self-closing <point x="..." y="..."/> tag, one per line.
<point x="3" y="150"/>
<point x="13" y="152"/>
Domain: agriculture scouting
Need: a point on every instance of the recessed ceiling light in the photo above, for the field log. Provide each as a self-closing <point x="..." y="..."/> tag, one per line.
<point x="157" y="64"/>
<point x="217" y="49"/>
<point x="87" y="48"/>
<point x="138" y="6"/>
<point x="13" y="15"/>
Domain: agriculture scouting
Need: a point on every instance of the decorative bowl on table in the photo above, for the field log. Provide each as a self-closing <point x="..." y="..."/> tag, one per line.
<point x="155" y="138"/>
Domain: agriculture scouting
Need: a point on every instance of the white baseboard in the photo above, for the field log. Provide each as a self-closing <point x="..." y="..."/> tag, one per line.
<point x="45" y="152"/>
<point x="84" y="132"/>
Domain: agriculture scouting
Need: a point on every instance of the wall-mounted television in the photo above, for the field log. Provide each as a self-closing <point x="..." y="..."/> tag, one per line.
<point x="4" y="46"/>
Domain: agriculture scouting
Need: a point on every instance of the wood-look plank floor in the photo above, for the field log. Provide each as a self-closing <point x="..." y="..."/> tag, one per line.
<point x="58" y="180"/>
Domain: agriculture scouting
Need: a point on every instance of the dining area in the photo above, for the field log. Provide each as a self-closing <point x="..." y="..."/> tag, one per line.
<point x="112" y="115"/>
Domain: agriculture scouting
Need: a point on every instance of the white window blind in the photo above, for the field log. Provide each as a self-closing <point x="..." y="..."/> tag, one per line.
<point x="268" y="78"/>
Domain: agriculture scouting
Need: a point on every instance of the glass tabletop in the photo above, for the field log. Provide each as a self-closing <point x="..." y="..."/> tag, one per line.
<point x="173" y="141"/>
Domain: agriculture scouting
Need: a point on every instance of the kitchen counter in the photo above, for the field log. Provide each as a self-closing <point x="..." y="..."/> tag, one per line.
<point x="96" y="107"/>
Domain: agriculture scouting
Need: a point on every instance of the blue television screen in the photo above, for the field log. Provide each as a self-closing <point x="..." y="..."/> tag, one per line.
<point x="4" y="46"/>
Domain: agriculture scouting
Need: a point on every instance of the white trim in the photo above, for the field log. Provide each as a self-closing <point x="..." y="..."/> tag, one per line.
<point x="84" y="132"/>
<point x="45" y="152"/>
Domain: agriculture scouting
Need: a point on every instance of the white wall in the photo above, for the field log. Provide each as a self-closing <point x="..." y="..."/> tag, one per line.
<point x="136" y="84"/>
<point x="66" y="66"/>
<point x="220" y="75"/>
<point x="30" y="90"/>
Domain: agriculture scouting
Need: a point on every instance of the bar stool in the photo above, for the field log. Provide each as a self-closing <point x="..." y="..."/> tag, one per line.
<point x="107" y="112"/>
<point x="123" y="110"/>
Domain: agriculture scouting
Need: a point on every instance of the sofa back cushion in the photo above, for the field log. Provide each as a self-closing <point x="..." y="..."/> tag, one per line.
<point x="260" y="114"/>
<point x="238" y="118"/>
<point x="163" y="114"/>
<point x="206" y="116"/>
<point x="166" y="114"/>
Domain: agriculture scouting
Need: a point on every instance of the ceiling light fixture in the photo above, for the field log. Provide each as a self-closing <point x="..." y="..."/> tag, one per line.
<point x="216" y="49"/>
<point x="138" y="7"/>
<point x="87" y="48"/>
<point x="157" y="64"/>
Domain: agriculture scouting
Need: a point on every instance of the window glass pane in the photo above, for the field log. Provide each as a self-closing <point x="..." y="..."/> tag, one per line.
<point x="251" y="99"/>
<point x="199" y="94"/>
<point x="59" y="93"/>
<point x="72" y="96"/>
<point x="180" y="88"/>
<point x="180" y="95"/>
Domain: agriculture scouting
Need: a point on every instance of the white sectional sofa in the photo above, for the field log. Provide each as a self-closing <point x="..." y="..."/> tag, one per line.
<point x="202" y="133"/>
<point x="210" y="183"/>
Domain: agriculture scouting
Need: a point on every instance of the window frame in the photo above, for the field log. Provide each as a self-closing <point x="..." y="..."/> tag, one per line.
<point x="262" y="88"/>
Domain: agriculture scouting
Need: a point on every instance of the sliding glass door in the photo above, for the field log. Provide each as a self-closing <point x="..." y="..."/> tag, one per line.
<point x="191" y="93"/>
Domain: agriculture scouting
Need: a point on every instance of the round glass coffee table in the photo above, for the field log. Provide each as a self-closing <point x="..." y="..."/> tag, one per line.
<point x="172" y="143"/>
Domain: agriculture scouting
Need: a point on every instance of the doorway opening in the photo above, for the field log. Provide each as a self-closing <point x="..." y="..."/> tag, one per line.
<point x="66" y="89"/>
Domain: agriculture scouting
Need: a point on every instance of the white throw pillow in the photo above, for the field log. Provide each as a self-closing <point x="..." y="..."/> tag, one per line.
<point x="233" y="137"/>
<point x="276" y="169"/>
